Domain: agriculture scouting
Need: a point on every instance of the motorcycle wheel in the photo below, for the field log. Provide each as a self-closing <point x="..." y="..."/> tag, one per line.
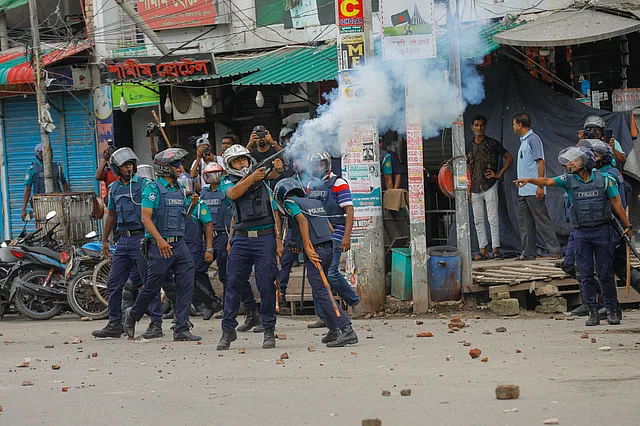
<point x="31" y="306"/>
<point x="82" y="299"/>
<point x="99" y="280"/>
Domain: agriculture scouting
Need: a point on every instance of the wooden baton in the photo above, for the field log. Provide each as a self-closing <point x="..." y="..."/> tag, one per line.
<point x="628" y="283"/>
<point x="326" y="285"/>
<point x="159" y="123"/>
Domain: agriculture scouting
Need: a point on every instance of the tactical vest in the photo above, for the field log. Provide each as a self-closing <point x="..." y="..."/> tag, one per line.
<point x="38" y="177"/>
<point x="221" y="211"/>
<point x="323" y="190"/>
<point x="615" y="173"/>
<point x="316" y="215"/>
<point x="193" y="228"/>
<point x="169" y="217"/>
<point x="590" y="206"/>
<point x="127" y="209"/>
<point x="253" y="208"/>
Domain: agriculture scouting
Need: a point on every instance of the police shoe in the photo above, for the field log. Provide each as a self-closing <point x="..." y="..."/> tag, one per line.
<point x="251" y="319"/>
<point x="331" y="336"/>
<point x="269" y="341"/>
<point x="259" y="328"/>
<point x="580" y="311"/>
<point x="112" y="329"/>
<point x="129" y="324"/>
<point x="226" y="339"/>
<point x="211" y="308"/>
<point x="612" y="317"/>
<point x="594" y="318"/>
<point x="185" y="336"/>
<point x="347" y="337"/>
<point x="153" y="331"/>
<point x="317" y="324"/>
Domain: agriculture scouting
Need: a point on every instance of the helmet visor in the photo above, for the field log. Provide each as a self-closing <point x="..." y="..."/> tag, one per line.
<point x="572" y="156"/>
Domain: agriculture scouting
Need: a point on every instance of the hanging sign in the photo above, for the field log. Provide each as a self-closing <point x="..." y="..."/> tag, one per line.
<point x="408" y="29"/>
<point x="153" y="68"/>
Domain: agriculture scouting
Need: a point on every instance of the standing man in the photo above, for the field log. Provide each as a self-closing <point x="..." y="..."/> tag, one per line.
<point x="199" y="223"/>
<point x="204" y="156"/>
<point x="163" y="215"/>
<point x="261" y="145"/>
<point x="34" y="180"/>
<point x="595" y="128"/>
<point x="593" y="196"/>
<point x="483" y="162"/>
<point x="226" y="142"/>
<point x="335" y="195"/>
<point x="310" y="231"/>
<point x="532" y="210"/>
<point x="123" y="210"/>
<point x="390" y="167"/>
<point x="256" y="234"/>
<point x="104" y="172"/>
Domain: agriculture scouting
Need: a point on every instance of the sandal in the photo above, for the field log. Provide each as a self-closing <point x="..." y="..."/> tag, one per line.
<point x="480" y="257"/>
<point x="496" y="255"/>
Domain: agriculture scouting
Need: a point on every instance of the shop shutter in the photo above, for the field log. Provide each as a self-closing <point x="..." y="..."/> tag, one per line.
<point x="73" y="144"/>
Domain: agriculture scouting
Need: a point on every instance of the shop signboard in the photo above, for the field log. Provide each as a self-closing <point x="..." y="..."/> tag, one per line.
<point x="160" y="69"/>
<point x="170" y="14"/>
<point x="350" y="16"/>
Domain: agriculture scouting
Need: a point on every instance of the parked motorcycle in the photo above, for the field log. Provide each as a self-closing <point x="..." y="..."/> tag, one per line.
<point x="79" y="275"/>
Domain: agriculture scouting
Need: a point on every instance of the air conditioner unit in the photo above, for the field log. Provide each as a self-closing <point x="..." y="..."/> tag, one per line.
<point x="186" y="103"/>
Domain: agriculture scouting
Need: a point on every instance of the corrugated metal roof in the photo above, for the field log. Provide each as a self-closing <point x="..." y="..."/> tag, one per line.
<point x="476" y="41"/>
<point x="304" y="64"/>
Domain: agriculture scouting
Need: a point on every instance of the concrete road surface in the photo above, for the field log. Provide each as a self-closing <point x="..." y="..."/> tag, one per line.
<point x="561" y="375"/>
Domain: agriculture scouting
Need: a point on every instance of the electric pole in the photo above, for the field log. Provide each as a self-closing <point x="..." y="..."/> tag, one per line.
<point x="47" y="156"/>
<point x="459" y="149"/>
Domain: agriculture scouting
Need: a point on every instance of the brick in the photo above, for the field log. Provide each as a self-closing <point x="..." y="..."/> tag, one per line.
<point x="552" y="305"/>
<point x="499" y="295"/>
<point x="507" y="392"/>
<point x="547" y="290"/>
<point x="505" y="307"/>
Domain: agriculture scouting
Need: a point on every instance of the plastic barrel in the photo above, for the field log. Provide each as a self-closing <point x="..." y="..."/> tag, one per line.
<point x="444" y="273"/>
<point x="401" y="273"/>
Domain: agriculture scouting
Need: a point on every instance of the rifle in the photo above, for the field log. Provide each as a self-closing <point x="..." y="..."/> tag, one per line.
<point x="267" y="163"/>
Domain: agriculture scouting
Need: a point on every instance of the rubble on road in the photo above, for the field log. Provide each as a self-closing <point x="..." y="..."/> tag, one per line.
<point x="507" y="392"/>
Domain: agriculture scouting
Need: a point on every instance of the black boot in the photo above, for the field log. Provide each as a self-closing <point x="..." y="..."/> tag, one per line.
<point x="269" y="341"/>
<point x="185" y="336"/>
<point x="347" y="337"/>
<point x="612" y="317"/>
<point x="251" y="319"/>
<point x="129" y="324"/>
<point x="154" y="330"/>
<point x="259" y="328"/>
<point x="211" y="308"/>
<point x="112" y="329"/>
<point x="226" y="339"/>
<point x="602" y="313"/>
<point x="594" y="318"/>
<point x="580" y="311"/>
<point x="331" y="336"/>
<point x="317" y="324"/>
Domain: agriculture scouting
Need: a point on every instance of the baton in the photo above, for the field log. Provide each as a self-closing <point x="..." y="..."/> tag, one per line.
<point x="326" y="285"/>
<point x="628" y="240"/>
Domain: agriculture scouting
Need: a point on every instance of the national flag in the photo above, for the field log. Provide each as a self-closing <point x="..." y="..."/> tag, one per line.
<point x="401" y="18"/>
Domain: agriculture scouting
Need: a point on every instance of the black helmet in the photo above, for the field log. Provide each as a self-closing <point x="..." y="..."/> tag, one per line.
<point x="289" y="187"/>
<point x="122" y="156"/>
<point x="164" y="161"/>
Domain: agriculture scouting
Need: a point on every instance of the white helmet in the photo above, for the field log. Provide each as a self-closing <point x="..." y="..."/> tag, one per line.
<point x="319" y="164"/>
<point x="212" y="173"/>
<point x="233" y="152"/>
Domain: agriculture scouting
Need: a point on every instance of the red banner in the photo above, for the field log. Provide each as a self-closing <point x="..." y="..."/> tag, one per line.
<point x="167" y="14"/>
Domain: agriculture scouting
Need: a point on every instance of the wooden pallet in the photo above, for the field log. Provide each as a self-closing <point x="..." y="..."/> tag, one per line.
<point x="510" y="272"/>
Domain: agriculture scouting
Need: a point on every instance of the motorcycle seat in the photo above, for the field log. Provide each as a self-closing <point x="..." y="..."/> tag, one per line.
<point x="44" y="251"/>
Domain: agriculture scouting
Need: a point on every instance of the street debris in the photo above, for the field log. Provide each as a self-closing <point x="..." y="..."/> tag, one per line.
<point x="86" y="319"/>
<point x="311" y="348"/>
<point x="485" y="359"/>
<point x="94" y="354"/>
<point x="75" y="340"/>
<point x="48" y="346"/>
<point x="386" y="393"/>
<point x="507" y="392"/>
<point x="584" y="335"/>
<point x="65" y="389"/>
<point x="475" y="353"/>
<point x="501" y="329"/>
<point x="518" y="351"/>
<point x="25" y="363"/>
<point x="371" y="422"/>
<point x="284" y="356"/>
<point x="27" y="383"/>
<point x="551" y="421"/>
<point x="280" y="361"/>
<point x="56" y="366"/>
<point x="456" y="323"/>
<point x="604" y="348"/>
<point x="281" y="336"/>
<point x="486" y="332"/>
<point x="593" y="340"/>
<point x="511" y="410"/>
<point x="419" y="322"/>
<point x="241" y="350"/>
<point x="405" y="392"/>
<point x="424" y="334"/>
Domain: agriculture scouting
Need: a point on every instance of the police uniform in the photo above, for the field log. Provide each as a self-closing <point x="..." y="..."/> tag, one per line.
<point x="125" y="201"/>
<point x="169" y="214"/>
<point x="35" y="177"/>
<point x="320" y="236"/>
<point x="591" y="217"/>
<point x="193" y="233"/>
<point x="253" y="244"/>
<point x="221" y="214"/>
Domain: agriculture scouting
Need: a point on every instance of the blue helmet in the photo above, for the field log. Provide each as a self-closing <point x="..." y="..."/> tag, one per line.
<point x="38" y="151"/>
<point x="590" y="160"/>
<point x="288" y="187"/>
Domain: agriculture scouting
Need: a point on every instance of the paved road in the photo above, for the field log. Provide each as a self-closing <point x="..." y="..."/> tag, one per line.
<point x="161" y="382"/>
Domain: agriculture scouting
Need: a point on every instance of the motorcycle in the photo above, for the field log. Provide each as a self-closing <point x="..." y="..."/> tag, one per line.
<point x="79" y="276"/>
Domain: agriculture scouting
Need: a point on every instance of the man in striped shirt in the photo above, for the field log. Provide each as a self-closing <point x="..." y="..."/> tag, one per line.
<point x="335" y="195"/>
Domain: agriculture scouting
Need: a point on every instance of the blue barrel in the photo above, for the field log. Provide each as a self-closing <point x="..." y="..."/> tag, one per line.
<point x="444" y="273"/>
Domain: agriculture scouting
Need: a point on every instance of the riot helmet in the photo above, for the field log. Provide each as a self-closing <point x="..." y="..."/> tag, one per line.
<point x="122" y="156"/>
<point x="212" y="173"/>
<point x="572" y="158"/>
<point x="146" y="171"/>
<point x="166" y="160"/>
<point x="38" y="151"/>
<point x="234" y="152"/>
<point x="186" y="182"/>
<point x="602" y="151"/>
<point x="319" y="164"/>
<point x="285" y="133"/>
<point x="594" y="127"/>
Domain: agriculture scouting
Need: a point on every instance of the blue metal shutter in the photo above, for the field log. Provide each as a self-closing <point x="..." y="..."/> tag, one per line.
<point x="73" y="144"/>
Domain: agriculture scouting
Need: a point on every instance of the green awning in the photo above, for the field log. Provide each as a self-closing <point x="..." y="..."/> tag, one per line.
<point x="10" y="4"/>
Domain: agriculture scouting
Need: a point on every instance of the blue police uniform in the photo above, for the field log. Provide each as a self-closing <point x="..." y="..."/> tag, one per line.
<point x="253" y="244"/>
<point x="591" y="216"/>
<point x="125" y="201"/>
<point x="320" y="236"/>
<point x="193" y="236"/>
<point x="221" y="214"/>
<point x="169" y="215"/>
<point x="35" y="177"/>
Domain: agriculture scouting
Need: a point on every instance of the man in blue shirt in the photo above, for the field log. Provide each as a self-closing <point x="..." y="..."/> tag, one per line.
<point x="164" y="210"/>
<point x="593" y="197"/>
<point x="34" y="179"/>
<point x="532" y="210"/>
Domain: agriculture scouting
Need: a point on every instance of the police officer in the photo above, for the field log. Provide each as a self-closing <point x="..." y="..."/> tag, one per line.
<point x="253" y="243"/>
<point x="335" y="195"/>
<point x="593" y="195"/>
<point x="595" y="128"/>
<point x="34" y="180"/>
<point x="164" y="210"/>
<point x="310" y="231"/>
<point x="221" y="214"/>
<point x="125" y="199"/>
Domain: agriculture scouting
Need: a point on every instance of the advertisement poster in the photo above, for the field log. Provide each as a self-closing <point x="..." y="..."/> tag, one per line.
<point x="102" y="110"/>
<point x="351" y="48"/>
<point x="166" y="14"/>
<point x="408" y="30"/>
<point x="415" y="167"/>
<point x="350" y="16"/>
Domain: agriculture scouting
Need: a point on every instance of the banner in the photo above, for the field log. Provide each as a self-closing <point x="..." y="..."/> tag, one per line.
<point x="408" y="29"/>
<point x="136" y="94"/>
<point x="167" y="14"/>
<point x="160" y="69"/>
